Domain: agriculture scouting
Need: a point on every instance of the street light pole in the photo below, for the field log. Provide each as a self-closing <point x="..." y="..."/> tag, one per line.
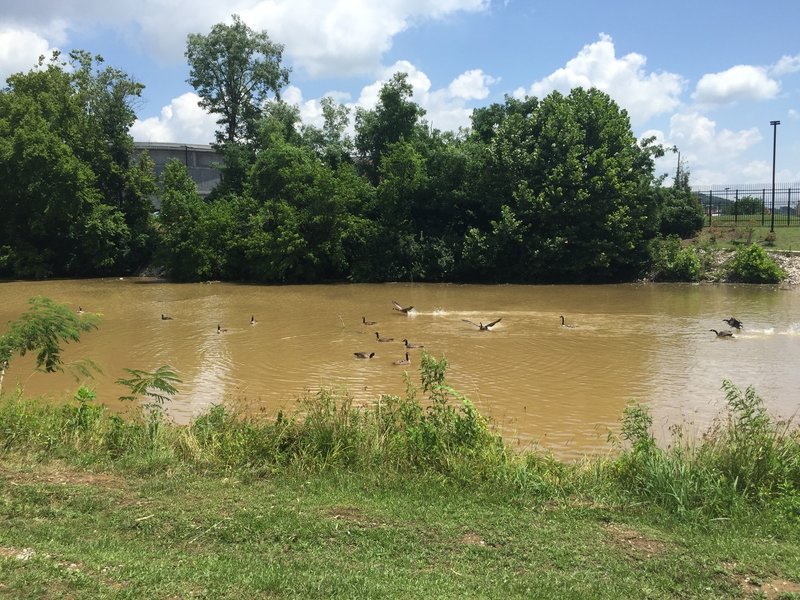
<point x="774" y="137"/>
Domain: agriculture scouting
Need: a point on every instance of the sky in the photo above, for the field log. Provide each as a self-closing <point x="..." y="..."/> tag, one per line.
<point x="706" y="77"/>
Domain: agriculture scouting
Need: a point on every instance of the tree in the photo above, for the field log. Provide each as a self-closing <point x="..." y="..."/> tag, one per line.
<point x="235" y="71"/>
<point x="42" y="329"/>
<point x="64" y="169"/>
<point x="681" y="213"/>
<point x="394" y="118"/>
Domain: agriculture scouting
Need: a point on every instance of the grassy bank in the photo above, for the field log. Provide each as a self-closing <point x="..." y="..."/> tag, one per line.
<point x="413" y="497"/>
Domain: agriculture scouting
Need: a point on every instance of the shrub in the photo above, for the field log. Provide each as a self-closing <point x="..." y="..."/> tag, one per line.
<point x="681" y="214"/>
<point x="751" y="264"/>
<point x="672" y="262"/>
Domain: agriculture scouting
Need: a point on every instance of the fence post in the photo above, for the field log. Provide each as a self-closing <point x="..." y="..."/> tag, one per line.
<point x="763" y="200"/>
<point x="788" y="206"/>
<point x="736" y="207"/>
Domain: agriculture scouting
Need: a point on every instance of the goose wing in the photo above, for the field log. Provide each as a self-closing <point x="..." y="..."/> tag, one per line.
<point x="493" y="323"/>
<point x="471" y="323"/>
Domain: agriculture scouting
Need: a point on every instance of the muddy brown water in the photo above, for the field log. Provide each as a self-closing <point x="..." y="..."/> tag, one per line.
<point x="562" y="388"/>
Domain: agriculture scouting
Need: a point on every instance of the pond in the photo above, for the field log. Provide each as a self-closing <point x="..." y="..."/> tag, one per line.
<point x="561" y="388"/>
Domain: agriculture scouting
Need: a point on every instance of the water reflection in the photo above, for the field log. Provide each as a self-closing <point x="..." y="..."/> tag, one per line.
<point x="561" y="387"/>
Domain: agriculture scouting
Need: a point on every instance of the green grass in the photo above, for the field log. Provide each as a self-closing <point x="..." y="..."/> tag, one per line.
<point x="414" y="497"/>
<point x="725" y="234"/>
<point x="107" y="534"/>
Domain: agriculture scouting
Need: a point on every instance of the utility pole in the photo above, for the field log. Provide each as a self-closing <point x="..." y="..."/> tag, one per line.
<point x="774" y="137"/>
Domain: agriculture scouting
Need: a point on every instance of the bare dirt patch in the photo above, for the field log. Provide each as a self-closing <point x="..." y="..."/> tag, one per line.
<point x="767" y="588"/>
<point x="633" y="543"/>
<point x="352" y="515"/>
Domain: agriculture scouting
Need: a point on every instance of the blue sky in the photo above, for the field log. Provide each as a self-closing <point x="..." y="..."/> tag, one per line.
<point x="707" y="76"/>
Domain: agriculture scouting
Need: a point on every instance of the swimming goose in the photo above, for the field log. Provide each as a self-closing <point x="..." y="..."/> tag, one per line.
<point x="481" y="326"/>
<point x="410" y="345"/>
<point x="165" y="317"/>
<point x="365" y="322"/>
<point x="253" y="320"/>
<point x="382" y="339"/>
<point x="220" y="329"/>
<point x="734" y="322"/>
<point x="563" y="323"/>
<point x="722" y="334"/>
<point x="363" y="354"/>
<point x="401" y="308"/>
<point x="403" y="361"/>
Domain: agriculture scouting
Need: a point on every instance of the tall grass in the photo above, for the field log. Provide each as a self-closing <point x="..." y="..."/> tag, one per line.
<point x="746" y="460"/>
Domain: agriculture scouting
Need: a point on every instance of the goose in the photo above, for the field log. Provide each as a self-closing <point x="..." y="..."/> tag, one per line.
<point x="220" y="329"/>
<point x="382" y="339"/>
<point x="410" y="345"/>
<point x="80" y="310"/>
<point x="481" y="326"/>
<point x="401" y="308"/>
<point x="165" y="317"/>
<point x="363" y="354"/>
<point x="722" y="334"/>
<point x="734" y="322"/>
<point x="564" y="324"/>
<point x="253" y="320"/>
<point x="403" y="361"/>
<point x="365" y="322"/>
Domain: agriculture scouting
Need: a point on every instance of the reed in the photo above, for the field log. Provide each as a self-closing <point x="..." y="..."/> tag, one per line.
<point x="745" y="461"/>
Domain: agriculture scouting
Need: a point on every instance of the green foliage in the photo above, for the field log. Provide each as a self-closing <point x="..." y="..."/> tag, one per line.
<point x="747" y="459"/>
<point x="747" y="205"/>
<point x="681" y="213"/>
<point x="157" y="386"/>
<point x="65" y="157"/>
<point x="235" y="71"/>
<point x="43" y="328"/>
<point x="671" y="261"/>
<point x="751" y="264"/>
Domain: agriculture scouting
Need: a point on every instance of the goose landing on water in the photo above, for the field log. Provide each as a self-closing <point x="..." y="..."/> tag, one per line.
<point x="481" y="326"/>
<point x="734" y="322"/>
<point x="722" y="334"/>
<point x="399" y="307"/>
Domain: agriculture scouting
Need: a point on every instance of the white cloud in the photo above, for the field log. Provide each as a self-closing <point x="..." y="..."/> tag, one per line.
<point x="20" y="49"/>
<point x="471" y="85"/>
<point x="643" y="95"/>
<point x="786" y="65"/>
<point x="335" y="37"/>
<point x="739" y="83"/>
<point x="712" y="155"/>
<point x="182" y="121"/>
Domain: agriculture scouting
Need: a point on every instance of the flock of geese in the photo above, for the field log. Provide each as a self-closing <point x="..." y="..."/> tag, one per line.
<point x="406" y="344"/>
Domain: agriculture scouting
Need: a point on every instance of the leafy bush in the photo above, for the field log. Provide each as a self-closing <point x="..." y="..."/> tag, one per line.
<point x="751" y="264"/>
<point x="681" y="214"/>
<point x="672" y="262"/>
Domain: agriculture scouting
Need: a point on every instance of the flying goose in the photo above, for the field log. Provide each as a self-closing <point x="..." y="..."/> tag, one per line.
<point x="363" y="354"/>
<point x="722" y="334"/>
<point x="734" y="322"/>
<point x="410" y="345"/>
<point x="365" y="322"/>
<point x="403" y="361"/>
<point x="401" y="308"/>
<point x="383" y="339"/>
<point x="481" y="326"/>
